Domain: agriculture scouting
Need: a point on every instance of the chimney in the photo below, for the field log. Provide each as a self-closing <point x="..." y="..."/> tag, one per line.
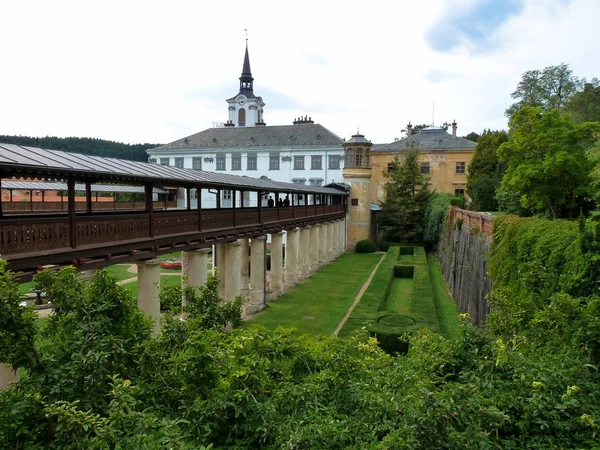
<point x="408" y="130"/>
<point x="454" y="125"/>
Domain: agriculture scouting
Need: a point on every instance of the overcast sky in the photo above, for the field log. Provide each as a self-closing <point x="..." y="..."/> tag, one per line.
<point x="158" y="71"/>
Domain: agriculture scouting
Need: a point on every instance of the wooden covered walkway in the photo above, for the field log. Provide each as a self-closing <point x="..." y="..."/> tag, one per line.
<point x="92" y="239"/>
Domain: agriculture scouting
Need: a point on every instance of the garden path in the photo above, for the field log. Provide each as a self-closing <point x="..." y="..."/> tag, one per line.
<point x="358" y="297"/>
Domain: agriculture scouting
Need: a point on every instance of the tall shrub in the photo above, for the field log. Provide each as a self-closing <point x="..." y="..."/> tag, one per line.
<point x="434" y="218"/>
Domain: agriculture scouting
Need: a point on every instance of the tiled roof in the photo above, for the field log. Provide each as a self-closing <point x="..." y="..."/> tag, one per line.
<point x="261" y="136"/>
<point x="32" y="162"/>
<point x="431" y="139"/>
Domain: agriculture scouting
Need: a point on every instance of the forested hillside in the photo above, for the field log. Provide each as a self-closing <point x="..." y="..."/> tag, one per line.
<point x="87" y="146"/>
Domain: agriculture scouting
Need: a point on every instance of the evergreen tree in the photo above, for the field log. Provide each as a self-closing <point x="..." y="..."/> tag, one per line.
<point x="407" y="193"/>
<point x="485" y="171"/>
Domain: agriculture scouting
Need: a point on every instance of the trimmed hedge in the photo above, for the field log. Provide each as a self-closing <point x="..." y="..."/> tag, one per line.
<point x="384" y="246"/>
<point x="366" y="246"/>
<point x="407" y="250"/>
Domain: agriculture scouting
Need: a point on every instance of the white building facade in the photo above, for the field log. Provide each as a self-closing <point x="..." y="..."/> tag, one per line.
<point x="302" y="153"/>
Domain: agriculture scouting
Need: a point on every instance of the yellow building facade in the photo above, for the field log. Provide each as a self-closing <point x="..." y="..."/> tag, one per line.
<point x="444" y="156"/>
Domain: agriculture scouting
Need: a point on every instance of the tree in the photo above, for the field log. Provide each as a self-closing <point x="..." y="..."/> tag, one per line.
<point x="550" y="88"/>
<point x="547" y="163"/>
<point x="584" y="106"/>
<point x="472" y="136"/>
<point x="485" y="171"/>
<point x="407" y="192"/>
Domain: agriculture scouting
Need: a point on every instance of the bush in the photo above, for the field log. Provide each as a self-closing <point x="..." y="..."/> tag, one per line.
<point x="458" y="201"/>
<point x="434" y="219"/>
<point x="366" y="246"/>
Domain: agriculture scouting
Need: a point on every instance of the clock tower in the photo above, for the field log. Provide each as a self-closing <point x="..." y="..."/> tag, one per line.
<point x="246" y="109"/>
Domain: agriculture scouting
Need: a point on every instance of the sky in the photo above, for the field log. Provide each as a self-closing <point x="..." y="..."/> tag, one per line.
<point x="157" y="71"/>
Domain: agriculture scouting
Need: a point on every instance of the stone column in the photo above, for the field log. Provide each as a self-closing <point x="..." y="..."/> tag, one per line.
<point x="304" y="253"/>
<point x="342" y="236"/>
<point x="314" y="248"/>
<point x="322" y="244"/>
<point x="221" y="255"/>
<point x="233" y="270"/>
<point x="330" y="241"/>
<point x="148" y="289"/>
<point x="291" y="257"/>
<point x="257" y="275"/>
<point x="277" y="264"/>
<point x="194" y="270"/>
<point x="7" y="375"/>
<point x="245" y="249"/>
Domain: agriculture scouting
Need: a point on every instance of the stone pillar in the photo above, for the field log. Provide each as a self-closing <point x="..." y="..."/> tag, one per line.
<point x="322" y="244"/>
<point x="330" y="241"/>
<point x="148" y="289"/>
<point x="194" y="270"/>
<point x="221" y="255"/>
<point x="257" y="275"/>
<point x="277" y="264"/>
<point x="314" y="248"/>
<point x="291" y="257"/>
<point x="245" y="249"/>
<point x="233" y="270"/>
<point x="304" y="253"/>
<point x="7" y="375"/>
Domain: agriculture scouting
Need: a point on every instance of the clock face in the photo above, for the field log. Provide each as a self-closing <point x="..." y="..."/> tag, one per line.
<point x="242" y="102"/>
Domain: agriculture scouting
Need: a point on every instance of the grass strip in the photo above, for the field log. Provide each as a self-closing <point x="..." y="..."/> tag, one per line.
<point x="444" y="303"/>
<point x="317" y="305"/>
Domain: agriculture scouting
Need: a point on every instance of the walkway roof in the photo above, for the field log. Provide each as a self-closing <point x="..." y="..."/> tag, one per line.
<point x="32" y="162"/>
<point x="43" y="186"/>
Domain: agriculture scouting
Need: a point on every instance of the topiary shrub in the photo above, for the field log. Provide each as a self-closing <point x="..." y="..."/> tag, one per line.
<point x="458" y="201"/>
<point x="366" y="246"/>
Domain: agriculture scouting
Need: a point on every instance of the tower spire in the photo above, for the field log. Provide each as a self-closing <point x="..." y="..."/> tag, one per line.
<point x="246" y="80"/>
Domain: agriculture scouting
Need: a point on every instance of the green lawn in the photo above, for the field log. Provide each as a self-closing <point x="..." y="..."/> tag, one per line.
<point x="25" y="288"/>
<point x="444" y="303"/>
<point x="165" y="281"/>
<point x="120" y="271"/>
<point x="318" y="304"/>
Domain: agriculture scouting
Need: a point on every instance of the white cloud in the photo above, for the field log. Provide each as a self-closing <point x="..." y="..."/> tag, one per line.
<point x="156" y="71"/>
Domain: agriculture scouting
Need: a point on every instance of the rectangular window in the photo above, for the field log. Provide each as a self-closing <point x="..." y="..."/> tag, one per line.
<point x="425" y="167"/>
<point x="221" y="162"/>
<point x="354" y="202"/>
<point x="164" y="161"/>
<point x="152" y="160"/>
<point x="460" y="167"/>
<point x="251" y="163"/>
<point x="194" y="194"/>
<point x="197" y="163"/>
<point x="236" y="162"/>
<point x="298" y="162"/>
<point x="179" y="163"/>
<point x="459" y="192"/>
<point x="316" y="181"/>
<point x="316" y="162"/>
<point x="274" y="161"/>
<point x="334" y="162"/>
<point x="226" y="195"/>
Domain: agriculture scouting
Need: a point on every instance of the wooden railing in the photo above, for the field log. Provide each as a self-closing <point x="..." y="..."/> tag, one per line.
<point x="28" y="234"/>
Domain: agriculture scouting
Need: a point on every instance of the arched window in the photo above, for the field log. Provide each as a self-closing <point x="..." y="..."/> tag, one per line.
<point x="242" y="117"/>
<point x="349" y="159"/>
<point x="359" y="157"/>
<point x="366" y="162"/>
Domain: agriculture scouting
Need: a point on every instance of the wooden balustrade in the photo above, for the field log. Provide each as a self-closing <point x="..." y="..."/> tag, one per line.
<point x="18" y="236"/>
<point x="98" y="229"/>
<point x="27" y="234"/>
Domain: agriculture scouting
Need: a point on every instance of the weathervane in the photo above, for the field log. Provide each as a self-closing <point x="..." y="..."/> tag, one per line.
<point x="246" y="32"/>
